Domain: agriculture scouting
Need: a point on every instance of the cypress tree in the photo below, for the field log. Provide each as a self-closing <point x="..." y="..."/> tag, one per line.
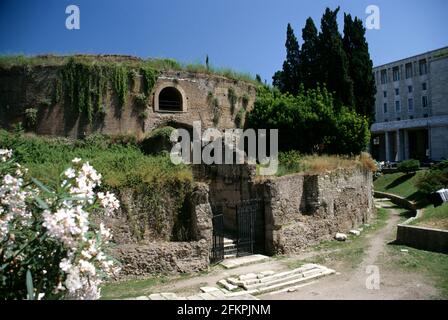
<point x="288" y="80"/>
<point x="333" y="60"/>
<point x="309" y="55"/>
<point x="360" y="65"/>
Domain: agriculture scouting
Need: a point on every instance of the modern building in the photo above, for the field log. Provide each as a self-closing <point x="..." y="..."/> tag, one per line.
<point x="411" y="108"/>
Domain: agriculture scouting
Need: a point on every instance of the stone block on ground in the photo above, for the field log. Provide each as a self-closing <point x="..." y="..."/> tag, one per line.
<point x="243" y="261"/>
<point x="226" y="285"/>
<point x="169" y="295"/>
<point x="340" y="236"/>
<point x="208" y="289"/>
<point x="248" y="276"/>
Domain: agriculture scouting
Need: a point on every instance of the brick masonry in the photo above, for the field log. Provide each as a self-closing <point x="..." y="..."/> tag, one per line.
<point x="33" y="88"/>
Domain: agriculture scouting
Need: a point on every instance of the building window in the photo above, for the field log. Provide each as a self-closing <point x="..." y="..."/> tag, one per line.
<point x="385" y="108"/>
<point x="396" y="74"/>
<point x="408" y="70"/>
<point x="397" y="106"/>
<point x="385" y="94"/>
<point x="411" y="105"/>
<point x="424" y="86"/>
<point x="170" y="99"/>
<point x="397" y="92"/>
<point x="423" y="67"/>
<point x="424" y="101"/>
<point x="425" y="115"/>
<point x="410" y="89"/>
<point x="383" y="76"/>
<point x="411" y="117"/>
<point x="398" y="119"/>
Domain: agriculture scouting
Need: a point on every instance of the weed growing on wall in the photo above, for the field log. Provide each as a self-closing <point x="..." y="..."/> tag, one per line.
<point x="215" y="108"/>
<point x="233" y="98"/>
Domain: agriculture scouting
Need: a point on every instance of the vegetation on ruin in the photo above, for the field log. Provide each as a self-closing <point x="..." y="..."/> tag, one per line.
<point x="233" y="99"/>
<point x="239" y="118"/>
<point x="293" y="162"/>
<point x="215" y="108"/>
<point x="159" y="64"/>
<point x="123" y="165"/>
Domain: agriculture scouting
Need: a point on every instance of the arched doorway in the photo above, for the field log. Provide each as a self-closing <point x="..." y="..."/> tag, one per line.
<point x="170" y="99"/>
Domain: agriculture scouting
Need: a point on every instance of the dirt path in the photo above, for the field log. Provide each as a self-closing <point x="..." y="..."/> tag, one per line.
<point x="351" y="284"/>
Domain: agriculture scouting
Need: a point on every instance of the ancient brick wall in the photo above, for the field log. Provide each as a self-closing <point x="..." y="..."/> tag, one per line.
<point x="33" y="87"/>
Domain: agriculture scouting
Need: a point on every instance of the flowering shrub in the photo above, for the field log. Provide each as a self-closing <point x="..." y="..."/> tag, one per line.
<point x="49" y="248"/>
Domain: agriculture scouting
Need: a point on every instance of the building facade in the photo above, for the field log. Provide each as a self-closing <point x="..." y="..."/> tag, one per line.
<point x="411" y="109"/>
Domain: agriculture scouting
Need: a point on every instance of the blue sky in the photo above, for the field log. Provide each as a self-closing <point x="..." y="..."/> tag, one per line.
<point x="246" y="35"/>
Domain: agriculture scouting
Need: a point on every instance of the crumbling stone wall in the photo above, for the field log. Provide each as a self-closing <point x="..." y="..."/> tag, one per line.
<point x="159" y="255"/>
<point x="305" y="209"/>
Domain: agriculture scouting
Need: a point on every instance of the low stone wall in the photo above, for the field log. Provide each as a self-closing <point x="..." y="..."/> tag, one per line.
<point x="399" y="201"/>
<point x="423" y="238"/>
<point x="162" y="258"/>
<point x="305" y="209"/>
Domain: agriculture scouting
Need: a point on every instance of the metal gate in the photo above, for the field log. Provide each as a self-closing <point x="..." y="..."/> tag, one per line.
<point x="217" y="254"/>
<point x="246" y="215"/>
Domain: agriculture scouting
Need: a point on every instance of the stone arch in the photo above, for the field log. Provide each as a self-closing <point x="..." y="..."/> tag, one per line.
<point x="170" y="98"/>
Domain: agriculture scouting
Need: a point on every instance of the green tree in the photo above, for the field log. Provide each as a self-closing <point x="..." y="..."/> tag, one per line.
<point x="288" y="80"/>
<point x="360" y="66"/>
<point x="333" y="60"/>
<point x="308" y="122"/>
<point x="309" y="55"/>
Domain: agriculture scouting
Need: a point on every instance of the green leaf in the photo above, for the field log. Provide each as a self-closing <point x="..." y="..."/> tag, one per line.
<point x="42" y="204"/>
<point x="42" y="186"/>
<point x="29" y="285"/>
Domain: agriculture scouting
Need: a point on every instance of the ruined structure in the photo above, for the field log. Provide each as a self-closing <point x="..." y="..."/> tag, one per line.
<point x="274" y="215"/>
<point x="269" y="215"/>
<point x="135" y="105"/>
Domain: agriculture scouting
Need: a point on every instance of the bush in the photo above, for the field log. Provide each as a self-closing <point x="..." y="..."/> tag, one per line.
<point x="309" y="122"/>
<point x="158" y="141"/>
<point x="432" y="181"/>
<point x="30" y="118"/>
<point x="49" y="248"/>
<point x="408" y="166"/>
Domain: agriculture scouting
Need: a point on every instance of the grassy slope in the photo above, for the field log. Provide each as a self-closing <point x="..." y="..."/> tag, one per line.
<point x="404" y="185"/>
<point x="122" y="165"/>
<point x="400" y="184"/>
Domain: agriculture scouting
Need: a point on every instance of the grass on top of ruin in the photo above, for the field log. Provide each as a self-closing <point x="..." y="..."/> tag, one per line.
<point x="161" y="64"/>
<point x="295" y="162"/>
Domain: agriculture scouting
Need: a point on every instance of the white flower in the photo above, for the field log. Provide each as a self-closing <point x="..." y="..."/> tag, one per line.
<point x="70" y="173"/>
<point x="65" y="265"/>
<point x="76" y="160"/>
<point x="109" y="202"/>
<point x="5" y="154"/>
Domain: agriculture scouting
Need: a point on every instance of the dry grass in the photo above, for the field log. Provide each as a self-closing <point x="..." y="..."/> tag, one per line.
<point x="293" y="162"/>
